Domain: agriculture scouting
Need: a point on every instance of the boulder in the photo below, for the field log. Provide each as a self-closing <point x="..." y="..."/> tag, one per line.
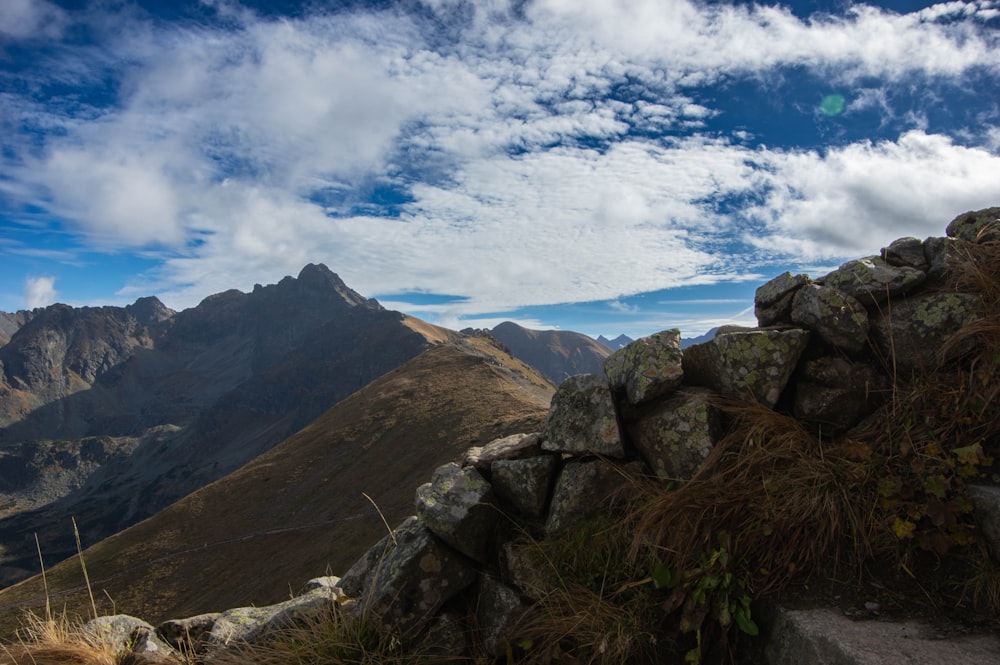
<point x="582" y="418"/>
<point x="647" y="368"/>
<point x="976" y="226"/>
<point x="912" y="333"/>
<point x="773" y="301"/>
<point x="524" y="484"/>
<point x="940" y="253"/>
<point x="126" y="633"/>
<point x="523" y="570"/>
<point x="514" y="446"/>
<point x="187" y="635"/>
<point x="458" y="506"/>
<point x="677" y="436"/>
<point x="872" y="281"/>
<point x="756" y="363"/>
<point x="498" y="611"/>
<point x="581" y="490"/>
<point x="406" y="577"/>
<point x="986" y="499"/>
<point x="836" y="317"/>
<point x="906" y="252"/>
<point x="835" y="393"/>
<point x="256" y="624"/>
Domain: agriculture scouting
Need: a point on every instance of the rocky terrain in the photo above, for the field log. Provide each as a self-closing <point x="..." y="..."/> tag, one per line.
<point x="666" y="504"/>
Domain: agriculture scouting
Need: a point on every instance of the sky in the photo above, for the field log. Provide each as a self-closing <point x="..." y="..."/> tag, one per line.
<point x="601" y="166"/>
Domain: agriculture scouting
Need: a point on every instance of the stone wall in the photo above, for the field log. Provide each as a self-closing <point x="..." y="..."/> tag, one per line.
<point x="825" y="350"/>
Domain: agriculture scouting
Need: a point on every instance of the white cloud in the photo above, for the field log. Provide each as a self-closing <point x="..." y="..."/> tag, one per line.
<point x="245" y="153"/>
<point x="39" y="291"/>
<point x="28" y="19"/>
<point x="855" y="199"/>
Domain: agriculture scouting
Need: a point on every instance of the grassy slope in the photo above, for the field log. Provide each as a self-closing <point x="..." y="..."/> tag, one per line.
<point x="297" y="511"/>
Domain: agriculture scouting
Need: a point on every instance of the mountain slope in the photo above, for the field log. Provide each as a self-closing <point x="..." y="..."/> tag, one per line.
<point x="297" y="511"/>
<point x="557" y="354"/>
<point x="177" y="399"/>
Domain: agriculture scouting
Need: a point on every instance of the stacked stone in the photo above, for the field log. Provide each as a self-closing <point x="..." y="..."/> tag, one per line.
<point x="823" y="350"/>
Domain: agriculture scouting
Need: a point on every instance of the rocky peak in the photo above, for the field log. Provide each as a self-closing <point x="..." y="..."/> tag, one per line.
<point x="149" y="310"/>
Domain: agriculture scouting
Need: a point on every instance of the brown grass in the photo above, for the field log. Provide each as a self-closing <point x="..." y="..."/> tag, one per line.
<point x="59" y="641"/>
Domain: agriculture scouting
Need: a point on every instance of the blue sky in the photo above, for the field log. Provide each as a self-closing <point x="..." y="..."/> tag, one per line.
<point x="605" y="166"/>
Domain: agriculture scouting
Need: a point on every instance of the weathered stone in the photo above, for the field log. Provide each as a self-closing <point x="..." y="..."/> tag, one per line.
<point x="446" y="640"/>
<point x="773" y="301"/>
<point x="523" y="570"/>
<point x="582" y="418"/>
<point x="406" y="580"/>
<point x="515" y="446"/>
<point x="834" y="393"/>
<point x="678" y="435"/>
<point x="524" y="483"/>
<point x="827" y="637"/>
<point x="940" y="253"/>
<point x="647" y="368"/>
<point x="458" y="506"/>
<point x="872" y="281"/>
<point x="986" y="499"/>
<point x="835" y="316"/>
<point x="328" y="582"/>
<point x="907" y="252"/>
<point x="117" y="631"/>
<point x="498" y="611"/>
<point x="581" y="490"/>
<point x="913" y="332"/>
<point x="187" y="635"/>
<point x="149" y="658"/>
<point x="256" y="624"/>
<point x="757" y="363"/>
<point x="976" y="226"/>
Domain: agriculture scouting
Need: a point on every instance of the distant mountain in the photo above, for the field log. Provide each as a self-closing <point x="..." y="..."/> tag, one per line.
<point x="707" y="337"/>
<point x="616" y="343"/>
<point x="112" y="413"/>
<point x="298" y="510"/>
<point x="557" y="354"/>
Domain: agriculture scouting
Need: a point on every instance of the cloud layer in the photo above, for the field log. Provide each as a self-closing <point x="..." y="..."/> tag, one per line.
<point x="514" y="155"/>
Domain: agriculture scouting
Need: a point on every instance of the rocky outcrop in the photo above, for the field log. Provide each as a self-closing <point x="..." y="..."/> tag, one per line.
<point x="603" y="432"/>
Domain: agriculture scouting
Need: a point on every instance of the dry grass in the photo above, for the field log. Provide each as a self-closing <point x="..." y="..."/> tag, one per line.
<point x="59" y="641"/>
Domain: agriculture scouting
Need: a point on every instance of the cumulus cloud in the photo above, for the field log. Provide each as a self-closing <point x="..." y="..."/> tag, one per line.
<point x="39" y="291"/>
<point x="29" y="19"/>
<point x="535" y="156"/>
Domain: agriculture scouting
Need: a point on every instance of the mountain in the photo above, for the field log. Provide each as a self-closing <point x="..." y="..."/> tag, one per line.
<point x="700" y="339"/>
<point x="110" y="414"/>
<point x="557" y="354"/>
<point x="616" y="343"/>
<point x="298" y="509"/>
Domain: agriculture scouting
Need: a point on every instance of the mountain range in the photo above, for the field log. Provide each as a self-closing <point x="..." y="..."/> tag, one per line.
<point x="111" y="414"/>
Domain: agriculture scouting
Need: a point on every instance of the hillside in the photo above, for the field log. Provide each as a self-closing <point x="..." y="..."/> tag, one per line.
<point x="298" y="509"/>
<point x="110" y="414"/>
<point x="557" y="354"/>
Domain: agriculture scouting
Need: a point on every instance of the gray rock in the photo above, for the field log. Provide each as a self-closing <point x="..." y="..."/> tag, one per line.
<point x="976" y="226"/>
<point x="118" y="631"/>
<point x="256" y="624"/>
<point x="405" y="582"/>
<point x="773" y="301"/>
<point x="677" y="436"/>
<point x="940" y="253"/>
<point x="647" y="368"/>
<point x="826" y="637"/>
<point x="498" y="611"/>
<point x="523" y="570"/>
<point x="757" y="363"/>
<point x="515" y="446"/>
<point x="912" y="333"/>
<point x="187" y="635"/>
<point x="986" y="499"/>
<point x="458" y="506"/>
<point x="582" y="418"/>
<point x="907" y="252"/>
<point x="524" y="484"/>
<point x="329" y="582"/>
<point x="581" y="490"/>
<point x="872" y="281"/>
<point x="835" y="316"/>
<point x="446" y="640"/>
<point x="835" y="393"/>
